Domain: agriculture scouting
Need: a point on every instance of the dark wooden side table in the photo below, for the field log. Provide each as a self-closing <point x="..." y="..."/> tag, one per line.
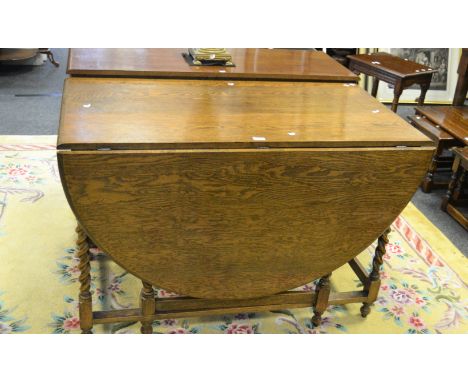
<point x="450" y="123"/>
<point x="393" y="70"/>
<point x="443" y="141"/>
<point x="452" y="199"/>
<point x="447" y="126"/>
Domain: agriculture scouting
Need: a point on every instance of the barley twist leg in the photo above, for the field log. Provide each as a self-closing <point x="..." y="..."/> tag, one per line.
<point x="374" y="278"/>
<point x="85" y="299"/>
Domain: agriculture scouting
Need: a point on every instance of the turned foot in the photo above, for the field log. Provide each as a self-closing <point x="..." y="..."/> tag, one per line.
<point x="321" y="302"/>
<point x="316" y="319"/>
<point x="365" y="309"/>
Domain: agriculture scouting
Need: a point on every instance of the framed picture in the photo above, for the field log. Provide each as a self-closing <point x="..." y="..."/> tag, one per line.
<point x="444" y="81"/>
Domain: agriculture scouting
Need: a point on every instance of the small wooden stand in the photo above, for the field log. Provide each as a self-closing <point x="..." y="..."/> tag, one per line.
<point x="393" y="70"/>
<point x="453" y="200"/>
<point x="444" y="141"/>
<point x="152" y="308"/>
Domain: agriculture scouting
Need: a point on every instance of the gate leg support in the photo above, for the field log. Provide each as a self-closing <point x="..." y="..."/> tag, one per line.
<point x="85" y="299"/>
<point x="321" y="301"/>
<point x="148" y="308"/>
<point x="373" y="285"/>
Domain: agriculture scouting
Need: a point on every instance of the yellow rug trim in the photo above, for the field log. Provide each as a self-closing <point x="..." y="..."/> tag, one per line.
<point x="28" y="139"/>
<point x="451" y="255"/>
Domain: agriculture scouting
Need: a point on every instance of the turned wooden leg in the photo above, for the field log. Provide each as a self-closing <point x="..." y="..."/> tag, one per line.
<point x="453" y="182"/>
<point x="321" y="301"/>
<point x="85" y="299"/>
<point x="375" y="87"/>
<point x="397" y="93"/>
<point x="422" y="96"/>
<point x="148" y="307"/>
<point x="428" y="181"/>
<point x="373" y="285"/>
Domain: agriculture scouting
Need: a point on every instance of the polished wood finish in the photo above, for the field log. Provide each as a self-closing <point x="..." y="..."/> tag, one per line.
<point x="202" y="222"/>
<point x="372" y="283"/>
<point x="85" y="299"/>
<point x="394" y="70"/>
<point x="457" y="186"/>
<point x="443" y="141"/>
<point x="447" y="126"/>
<point x="393" y="65"/>
<point x="193" y="204"/>
<point x="264" y="64"/>
<point x="190" y="114"/>
<point x="461" y="89"/>
<point x="321" y="299"/>
<point x="148" y="308"/>
<point x="181" y="307"/>
<point x="452" y="119"/>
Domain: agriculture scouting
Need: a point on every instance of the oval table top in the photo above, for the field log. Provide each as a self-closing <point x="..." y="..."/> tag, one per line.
<point x="166" y="178"/>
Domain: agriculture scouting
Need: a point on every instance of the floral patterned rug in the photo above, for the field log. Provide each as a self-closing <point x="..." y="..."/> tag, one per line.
<point x="424" y="278"/>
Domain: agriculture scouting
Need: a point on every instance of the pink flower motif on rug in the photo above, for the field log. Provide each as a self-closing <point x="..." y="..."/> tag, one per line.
<point x="235" y="328"/>
<point x="16" y="173"/>
<point x="416" y="322"/>
<point x="392" y="249"/>
<point x="401" y="296"/>
<point x="397" y="310"/>
<point x="71" y="323"/>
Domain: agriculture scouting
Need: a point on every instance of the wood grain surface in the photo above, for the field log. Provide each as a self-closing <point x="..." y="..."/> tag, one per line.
<point x="453" y="119"/>
<point x="266" y="64"/>
<point x="186" y="114"/>
<point x="397" y="66"/>
<point x="238" y="223"/>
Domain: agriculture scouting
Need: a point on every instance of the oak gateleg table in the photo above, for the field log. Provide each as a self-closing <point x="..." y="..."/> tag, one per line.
<point x="231" y="193"/>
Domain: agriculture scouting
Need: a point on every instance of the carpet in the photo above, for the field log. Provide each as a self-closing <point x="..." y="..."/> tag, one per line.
<point x="424" y="277"/>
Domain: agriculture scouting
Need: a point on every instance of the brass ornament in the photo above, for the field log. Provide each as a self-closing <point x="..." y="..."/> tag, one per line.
<point x="211" y="56"/>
